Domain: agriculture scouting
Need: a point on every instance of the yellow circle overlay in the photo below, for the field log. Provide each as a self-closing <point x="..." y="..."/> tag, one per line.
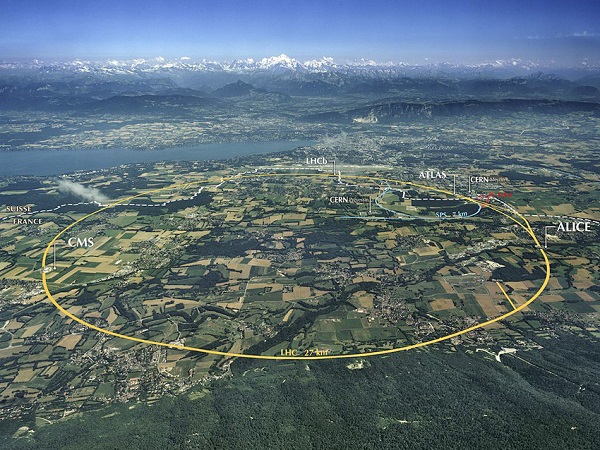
<point x="519" y="220"/>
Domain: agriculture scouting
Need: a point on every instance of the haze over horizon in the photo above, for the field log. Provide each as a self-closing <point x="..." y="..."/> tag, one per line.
<point x="432" y="31"/>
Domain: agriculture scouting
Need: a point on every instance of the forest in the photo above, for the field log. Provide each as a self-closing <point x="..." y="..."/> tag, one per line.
<point x="442" y="398"/>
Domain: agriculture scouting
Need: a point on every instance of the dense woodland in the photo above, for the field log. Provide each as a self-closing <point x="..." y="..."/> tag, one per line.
<point x="435" y="399"/>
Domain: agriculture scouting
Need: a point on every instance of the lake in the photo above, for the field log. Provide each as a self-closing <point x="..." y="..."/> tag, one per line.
<point x="57" y="162"/>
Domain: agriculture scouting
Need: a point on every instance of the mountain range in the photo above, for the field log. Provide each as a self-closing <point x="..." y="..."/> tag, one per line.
<point x="285" y="65"/>
<point x="159" y="85"/>
<point x="394" y="111"/>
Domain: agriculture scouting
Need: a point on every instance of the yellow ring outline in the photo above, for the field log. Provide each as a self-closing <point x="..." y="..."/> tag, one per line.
<point x="525" y="225"/>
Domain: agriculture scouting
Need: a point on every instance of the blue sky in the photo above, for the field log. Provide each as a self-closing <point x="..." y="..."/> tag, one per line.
<point x="416" y="31"/>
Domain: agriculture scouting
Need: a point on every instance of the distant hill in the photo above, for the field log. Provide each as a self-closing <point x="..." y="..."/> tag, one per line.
<point x="146" y="103"/>
<point x="83" y="93"/>
<point x="397" y="110"/>
<point x="242" y="89"/>
<point x="586" y="91"/>
<point x="234" y="90"/>
<point x="306" y="87"/>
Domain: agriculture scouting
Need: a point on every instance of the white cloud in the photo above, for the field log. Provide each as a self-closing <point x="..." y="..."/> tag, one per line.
<point x="582" y="34"/>
<point x="81" y="191"/>
<point x="333" y="140"/>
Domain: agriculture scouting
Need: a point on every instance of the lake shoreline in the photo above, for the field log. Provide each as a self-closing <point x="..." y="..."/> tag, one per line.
<point x="59" y="162"/>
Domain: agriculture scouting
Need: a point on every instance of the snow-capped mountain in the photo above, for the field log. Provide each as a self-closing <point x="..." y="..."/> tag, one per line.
<point x="284" y="65"/>
<point x="273" y="63"/>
